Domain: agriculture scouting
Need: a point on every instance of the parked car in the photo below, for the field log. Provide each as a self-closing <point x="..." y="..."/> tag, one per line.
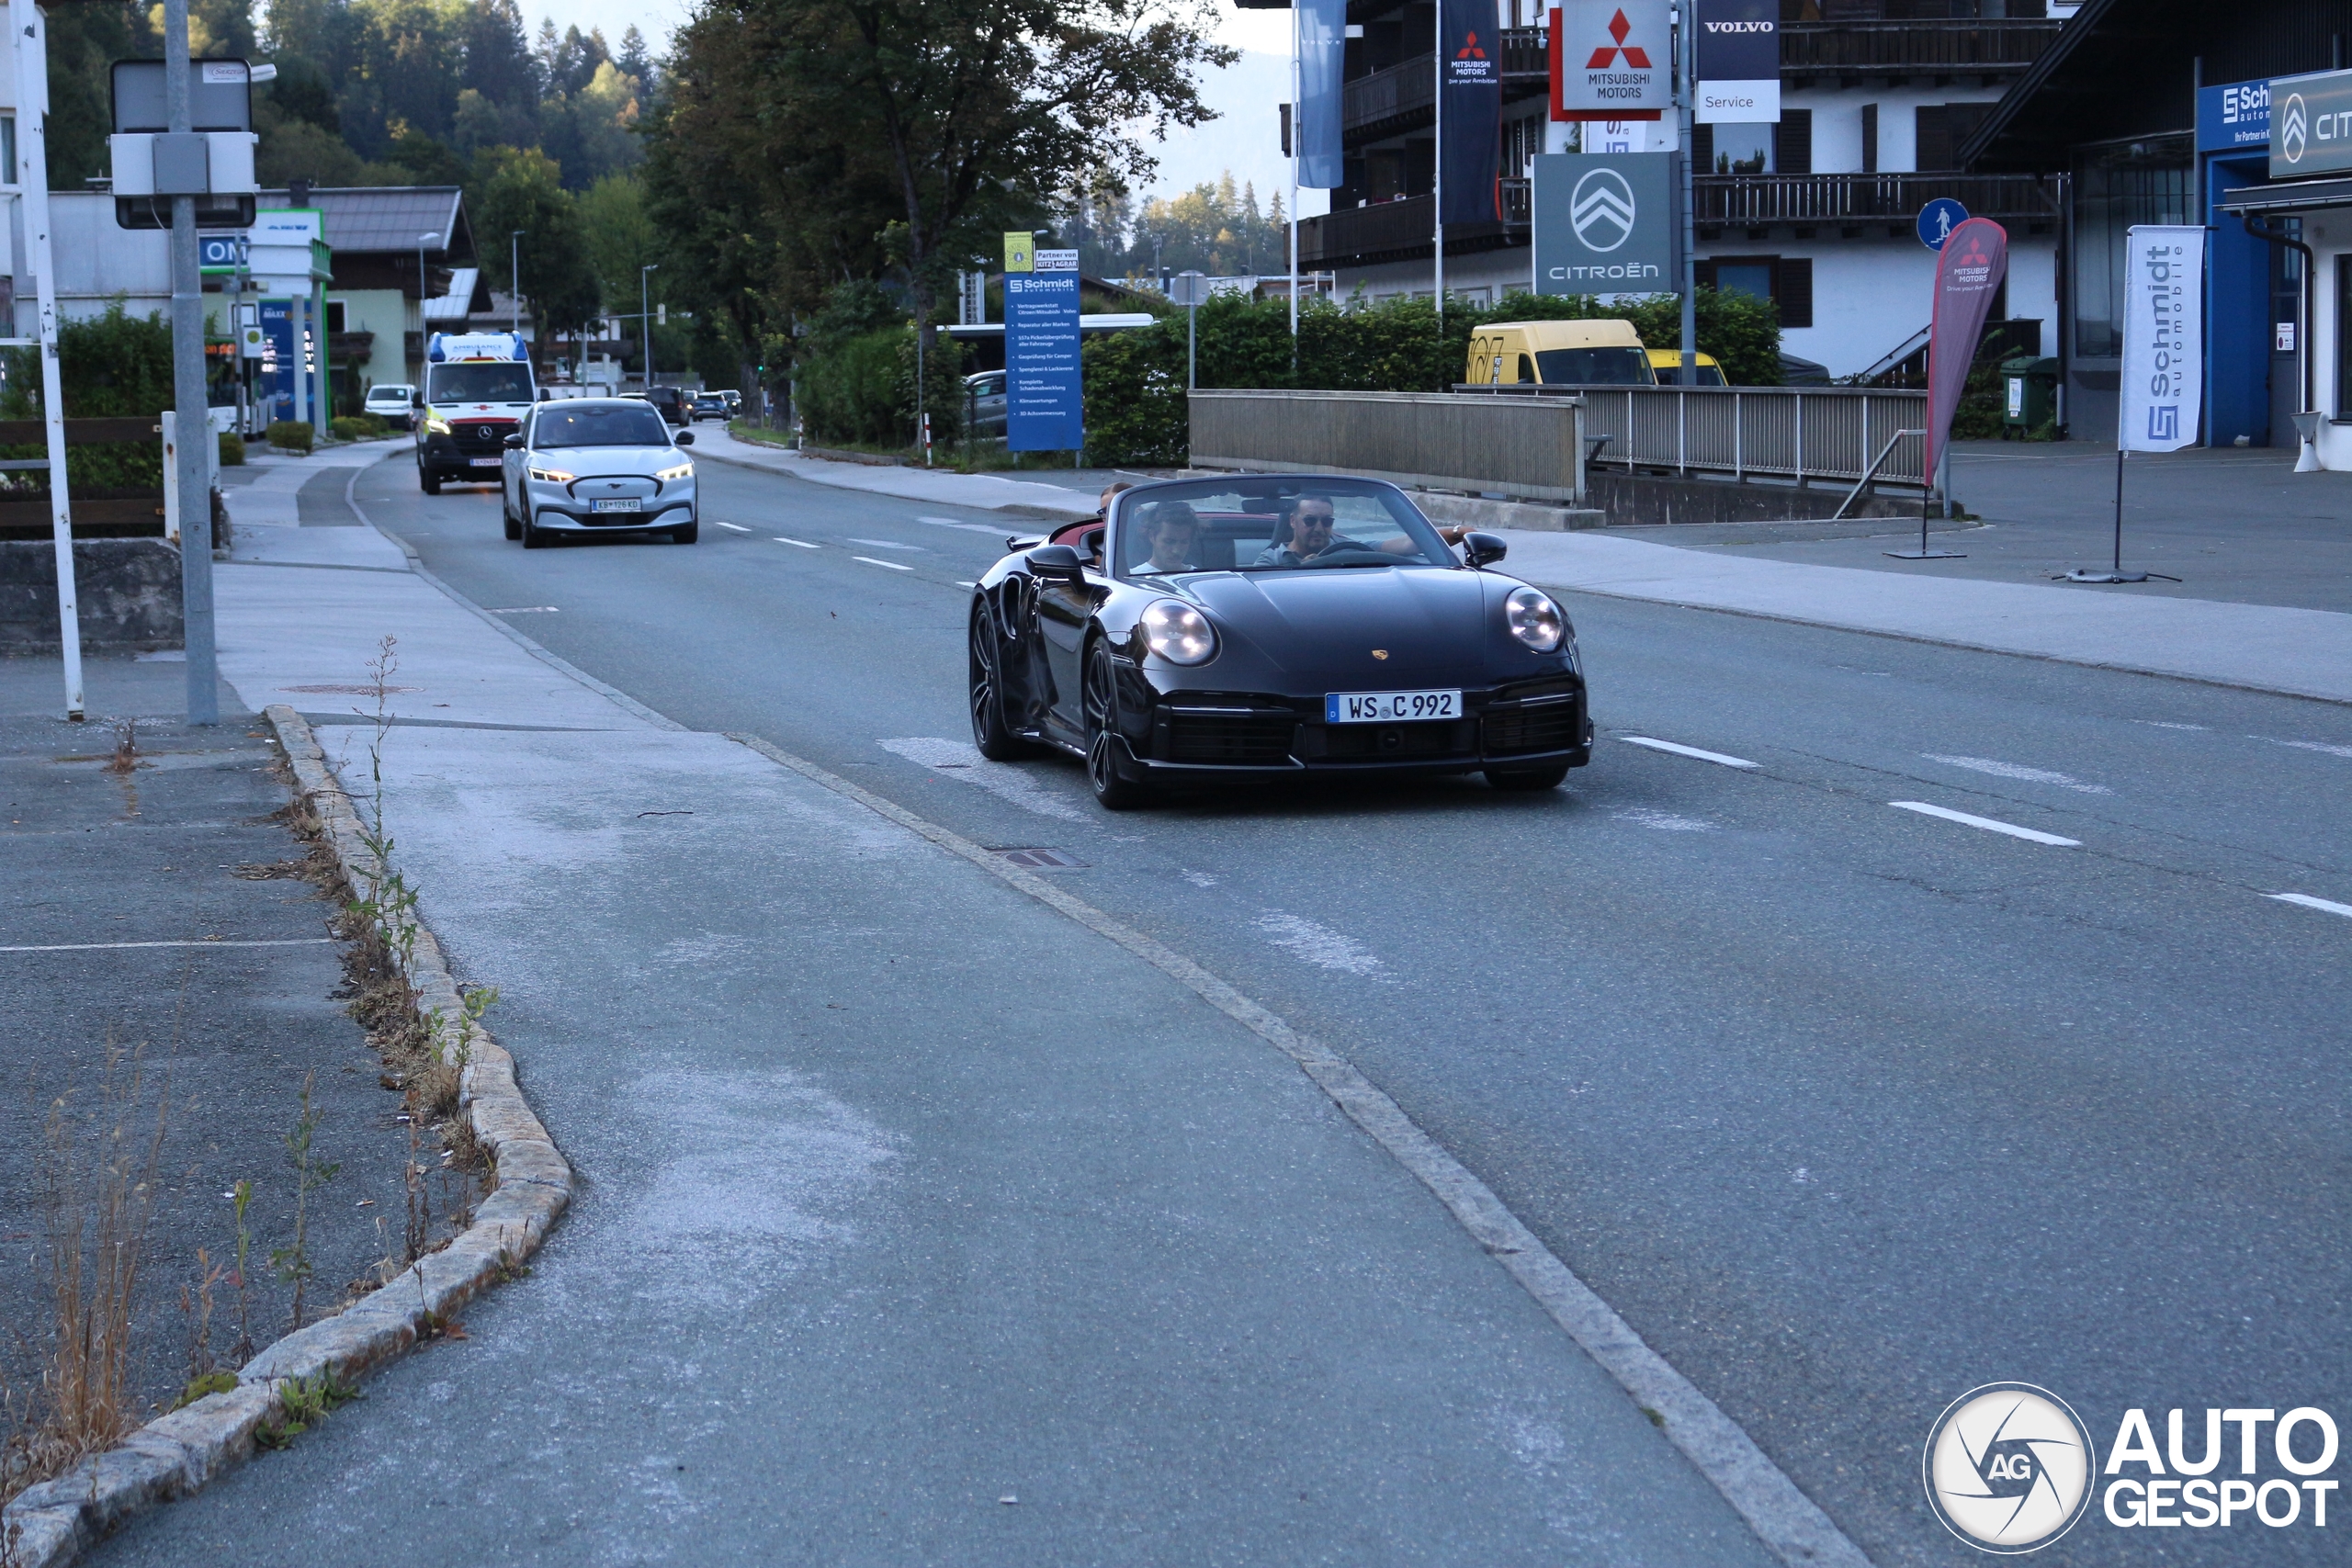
<point x="1665" y="363"/>
<point x="984" y="402"/>
<point x="707" y="405"/>
<point x="1599" y="353"/>
<point x="670" y="400"/>
<point x="391" y="402"/>
<point x="597" y="466"/>
<point x="1259" y="626"/>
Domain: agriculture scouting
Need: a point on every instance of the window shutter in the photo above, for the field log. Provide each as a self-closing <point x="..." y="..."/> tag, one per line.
<point x="1933" y="144"/>
<point x="1793" y="291"/>
<point x="1870" y="139"/>
<point x="1703" y="149"/>
<point x="1792" y="142"/>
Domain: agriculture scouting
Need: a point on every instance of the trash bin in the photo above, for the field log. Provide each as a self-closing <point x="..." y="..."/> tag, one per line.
<point x="2030" y="395"/>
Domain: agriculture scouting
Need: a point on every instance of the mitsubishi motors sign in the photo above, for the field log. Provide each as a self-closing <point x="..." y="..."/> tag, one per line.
<point x="1611" y="60"/>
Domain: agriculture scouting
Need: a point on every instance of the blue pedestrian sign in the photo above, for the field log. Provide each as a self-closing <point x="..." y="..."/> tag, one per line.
<point x="1938" y="219"/>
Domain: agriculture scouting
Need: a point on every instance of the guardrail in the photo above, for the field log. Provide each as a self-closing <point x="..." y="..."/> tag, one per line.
<point x="1794" y="432"/>
<point x="1531" y="447"/>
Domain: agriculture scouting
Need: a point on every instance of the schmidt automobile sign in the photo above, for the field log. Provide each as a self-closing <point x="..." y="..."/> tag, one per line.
<point x="2311" y="125"/>
<point x="1604" y="223"/>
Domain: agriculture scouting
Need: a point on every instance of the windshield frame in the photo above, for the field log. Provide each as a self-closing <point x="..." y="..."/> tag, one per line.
<point x="570" y="408"/>
<point x="1125" y="513"/>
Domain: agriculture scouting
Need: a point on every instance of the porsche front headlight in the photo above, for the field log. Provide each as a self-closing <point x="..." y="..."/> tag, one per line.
<point x="1533" y="619"/>
<point x="1177" y="632"/>
<point x="682" y="471"/>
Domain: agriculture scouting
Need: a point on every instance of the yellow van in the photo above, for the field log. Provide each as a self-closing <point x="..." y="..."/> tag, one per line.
<point x="1572" y="353"/>
<point x="1665" y="363"/>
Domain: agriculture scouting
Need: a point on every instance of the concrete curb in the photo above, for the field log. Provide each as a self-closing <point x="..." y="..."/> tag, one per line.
<point x="178" y="1454"/>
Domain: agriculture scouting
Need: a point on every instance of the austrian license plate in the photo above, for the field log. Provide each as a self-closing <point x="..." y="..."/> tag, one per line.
<point x="1389" y="707"/>
<point x="486" y="462"/>
<point x="625" y="503"/>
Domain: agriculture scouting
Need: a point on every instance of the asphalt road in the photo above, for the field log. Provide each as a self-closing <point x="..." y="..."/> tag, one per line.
<point x="1847" y="1108"/>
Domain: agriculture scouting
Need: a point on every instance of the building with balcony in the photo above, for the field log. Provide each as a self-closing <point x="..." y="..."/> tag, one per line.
<point x="1814" y="213"/>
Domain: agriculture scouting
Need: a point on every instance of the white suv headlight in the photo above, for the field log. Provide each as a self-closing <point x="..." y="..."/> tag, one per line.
<point x="1177" y="632"/>
<point x="682" y="471"/>
<point x="1533" y="619"/>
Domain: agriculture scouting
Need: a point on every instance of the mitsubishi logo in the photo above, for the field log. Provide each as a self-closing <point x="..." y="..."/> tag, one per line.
<point x="1602" y="210"/>
<point x="1470" y="50"/>
<point x="2294" y="128"/>
<point x="1635" y="58"/>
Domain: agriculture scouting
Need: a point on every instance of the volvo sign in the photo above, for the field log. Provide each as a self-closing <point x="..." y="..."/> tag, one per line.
<point x="1604" y="223"/>
<point x="2311" y="125"/>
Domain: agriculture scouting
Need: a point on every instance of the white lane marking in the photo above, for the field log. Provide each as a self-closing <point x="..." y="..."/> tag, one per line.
<point x="1686" y="751"/>
<point x="993" y="532"/>
<point x="738" y="528"/>
<point x="2308" y="902"/>
<point x="2019" y="771"/>
<point x="894" y="566"/>
<point x="962" y="584"/>
<point x="2160" y="724"/>
<point x="1665" y="821"/>
<point x="890" y="545"/>
<point x="961" y="761"/>
<point x="525" y="610"/>
<point x="1199" y="878"/>
<point x="802" y="542"/>
<point x="1320" y="946"/>
<point x="98" y="946"/>
<point x="2316" y="745"/>
<point x="1990" y="826"/>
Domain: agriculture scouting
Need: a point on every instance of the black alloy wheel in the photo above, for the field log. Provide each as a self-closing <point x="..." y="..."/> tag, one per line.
<point x="1099" y="697"/>
<point x="1548" y="776"/>
<point x="993" y="736"/>
<point x="534" y="537"/>
<point x="507" y="514"/>
<point x="427" y="481"/>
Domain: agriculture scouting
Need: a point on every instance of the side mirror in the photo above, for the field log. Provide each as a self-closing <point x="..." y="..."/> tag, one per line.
<point x="1484" y="549"/>
<point x="685" y="438"/>
<point x="416" y="400"/>
<point x="1056" y="561"/>
<point x="543" y="394"/>
<point x="514" y="443"/>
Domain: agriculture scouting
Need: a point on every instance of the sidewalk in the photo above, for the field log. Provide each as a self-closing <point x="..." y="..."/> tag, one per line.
<point x="916" y="1211"/>
<point x="276" y="491"/>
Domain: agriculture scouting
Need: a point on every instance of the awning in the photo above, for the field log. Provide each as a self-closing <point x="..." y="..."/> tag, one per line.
<point x="2291" y="195"/>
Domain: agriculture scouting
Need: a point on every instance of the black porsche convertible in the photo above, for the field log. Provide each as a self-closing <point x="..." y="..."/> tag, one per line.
<point x="1270" y="624"/>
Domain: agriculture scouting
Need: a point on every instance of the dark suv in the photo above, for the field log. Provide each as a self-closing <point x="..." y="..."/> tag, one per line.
<point x="672" y="402"/>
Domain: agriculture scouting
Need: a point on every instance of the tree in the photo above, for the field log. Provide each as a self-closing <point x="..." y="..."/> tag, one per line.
<point x="621" y="236"/>
<point x="957" y="119"/>
<point x="523" y="188"/>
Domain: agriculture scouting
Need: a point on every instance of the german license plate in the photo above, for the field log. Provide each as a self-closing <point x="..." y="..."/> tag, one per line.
<point x="1389" y="707"/>
<point x="625" y="503"/>
<point x="486" y="462"/>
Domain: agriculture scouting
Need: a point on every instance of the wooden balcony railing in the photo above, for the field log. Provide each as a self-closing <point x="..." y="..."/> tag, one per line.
<point x="1944" y="48"/>
<point x="1757" y="200"/>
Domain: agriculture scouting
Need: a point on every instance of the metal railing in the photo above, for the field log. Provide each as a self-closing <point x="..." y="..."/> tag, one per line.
<point x="1401" y="90"/>
<point x="1778" y="432"/>
<point x="1738" y="199"/>
<point x="1393" y="229"/>
<point x="1531" y="447"/>
<point x="1908" y="48"/>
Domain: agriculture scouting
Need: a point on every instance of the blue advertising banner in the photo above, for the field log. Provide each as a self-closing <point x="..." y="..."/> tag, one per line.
<point x="1044" y="405"/>
<point x="2233" y="115"/>
<point x="1322" y="62"/>
<point x="1470" y="117"/>
<point x="278" y="365"/>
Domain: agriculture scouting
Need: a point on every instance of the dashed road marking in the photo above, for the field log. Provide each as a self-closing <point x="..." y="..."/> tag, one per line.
<point x="2316" y="745"/>
<point x="991" y="530"/>
<point x="2019" y="771"/>
<point x="2307" y="901"/>
<point x="886" y="543"/>
<point x="802" y="542"/>
<point x="967" y="584"/>
<point x="737" y="527"/>
<point x="525" y="610"/>
<point x="1715" y="757"/>
<point x="2032" y="835"/>
<point x="894" y="566"/>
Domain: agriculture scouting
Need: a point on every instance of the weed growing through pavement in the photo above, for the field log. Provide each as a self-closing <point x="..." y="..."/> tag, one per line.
<point x="242" y="1195"/>
<point x="303" y="1402"/>
<point x="292" y="1263"/>
<point x="195" y="1304"/>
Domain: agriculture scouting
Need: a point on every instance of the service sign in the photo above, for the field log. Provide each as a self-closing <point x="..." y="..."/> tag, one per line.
<point x="1611" y="59"/>
<point x="2311" y="125"/>
<point x="1738" y="62"/>
<point x="1604" y="223"/>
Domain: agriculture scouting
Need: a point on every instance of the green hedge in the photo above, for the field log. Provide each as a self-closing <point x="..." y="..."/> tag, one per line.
<point x="233" y="449"/>
<point x="113" y="365"/>
<point x="1135" y="380"/>
<point x="358" y="427"/>
<point x="291" y="434"/>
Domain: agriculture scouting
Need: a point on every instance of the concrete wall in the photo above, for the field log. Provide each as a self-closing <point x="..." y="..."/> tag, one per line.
<point x="1631" y="501"/>
<point x="128" y="594"/>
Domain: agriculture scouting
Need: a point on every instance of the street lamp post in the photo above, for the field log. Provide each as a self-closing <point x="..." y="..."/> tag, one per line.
<point x="424" y="290"/>
<point x="515" y="277"/>
<point x="645" y="321"/>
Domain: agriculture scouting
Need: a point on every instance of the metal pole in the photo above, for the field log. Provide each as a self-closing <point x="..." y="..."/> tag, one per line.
<point x="1191" y="334"/>
<point x="187" y="393"/>
<point x="645" y="322"/>
<point x="515" y="277"/>
<point x="1683" y="123"/>
<point x="1297" y="141"/>
<point x="1437" y="167"/>
<point x="2119" y="509"/>
<point x="32" y="172"/>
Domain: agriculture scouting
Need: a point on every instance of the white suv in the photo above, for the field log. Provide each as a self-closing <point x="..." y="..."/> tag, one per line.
<point x="598" y="465"/>
<point x="391" y="403"/>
